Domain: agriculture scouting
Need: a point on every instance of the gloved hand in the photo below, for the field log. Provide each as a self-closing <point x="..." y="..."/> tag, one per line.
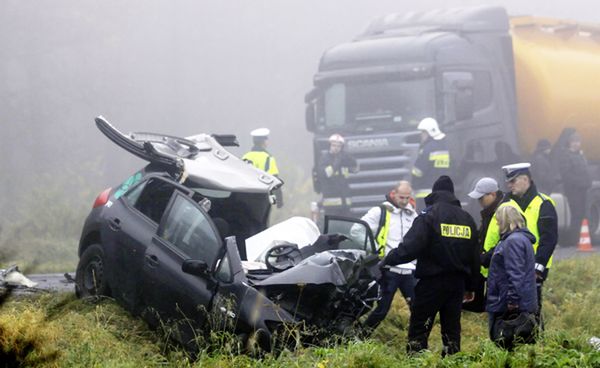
<point x="379" y="270"/>
<point x="539" y="276"/>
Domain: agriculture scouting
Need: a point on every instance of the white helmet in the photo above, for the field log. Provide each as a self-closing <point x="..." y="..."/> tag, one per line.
<point x="337" y="138"/>
<point x="430" y="125"/>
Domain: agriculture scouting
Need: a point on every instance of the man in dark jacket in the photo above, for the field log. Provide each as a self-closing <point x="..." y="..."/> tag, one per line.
<point x="544" y="171"/>
<point x="576" y="181"/>
<point x="443" y="241"/>
<point x="489" y="196"/>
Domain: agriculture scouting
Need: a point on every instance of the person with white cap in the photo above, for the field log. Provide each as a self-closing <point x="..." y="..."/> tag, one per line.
<point x="433" y="159"/>
<point x="260" y="158"/>
<point x="489" y="196"/>
<point x="331" y="176"/>
<point x="540" y="215"/>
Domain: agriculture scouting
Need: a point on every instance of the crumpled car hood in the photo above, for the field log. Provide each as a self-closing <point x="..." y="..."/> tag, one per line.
<point x="337" y="267"/>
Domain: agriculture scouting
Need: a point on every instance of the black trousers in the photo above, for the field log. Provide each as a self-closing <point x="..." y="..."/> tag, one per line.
<point x="577" y="206"/>
<point x="444" y="294"/>
<point x="390" y="282"/>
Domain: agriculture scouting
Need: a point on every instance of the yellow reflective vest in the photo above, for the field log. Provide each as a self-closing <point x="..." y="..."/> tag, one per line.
<point x="384" y="229"/>
<point x="262" y="160"/>
<point x="531" y="215"/>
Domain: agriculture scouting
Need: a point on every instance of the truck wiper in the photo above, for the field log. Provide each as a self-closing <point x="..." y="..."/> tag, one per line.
<point x="378" y="116"/>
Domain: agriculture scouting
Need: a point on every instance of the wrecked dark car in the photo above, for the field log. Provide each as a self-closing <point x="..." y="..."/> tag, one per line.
<point x="187" y="238"/>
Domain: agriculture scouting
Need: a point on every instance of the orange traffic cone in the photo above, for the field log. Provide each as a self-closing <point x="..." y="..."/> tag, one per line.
<point x="585" y="243"/>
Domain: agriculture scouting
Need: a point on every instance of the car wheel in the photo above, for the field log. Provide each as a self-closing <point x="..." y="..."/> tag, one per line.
<point x="90" y="277"/>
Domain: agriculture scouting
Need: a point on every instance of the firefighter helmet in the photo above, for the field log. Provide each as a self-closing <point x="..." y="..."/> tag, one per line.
<point x="430" y="125"/>
<point x="337" y="138"/>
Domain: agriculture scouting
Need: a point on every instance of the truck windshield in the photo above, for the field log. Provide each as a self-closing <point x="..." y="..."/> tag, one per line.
<point x="388" y="104"/>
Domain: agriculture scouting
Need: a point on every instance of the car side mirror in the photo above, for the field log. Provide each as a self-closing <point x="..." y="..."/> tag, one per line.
<point x="195" y="267"/>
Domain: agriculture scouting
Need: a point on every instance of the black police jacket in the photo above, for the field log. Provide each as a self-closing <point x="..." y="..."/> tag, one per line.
<point x="443" y="239"/>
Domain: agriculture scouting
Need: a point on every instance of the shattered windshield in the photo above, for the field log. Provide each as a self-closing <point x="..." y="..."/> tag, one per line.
<point x="366" y="105"/>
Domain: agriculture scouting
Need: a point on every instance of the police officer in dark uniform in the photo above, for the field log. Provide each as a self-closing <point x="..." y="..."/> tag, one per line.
<point x="443" y="240"/>
<point x="433" y="159"/>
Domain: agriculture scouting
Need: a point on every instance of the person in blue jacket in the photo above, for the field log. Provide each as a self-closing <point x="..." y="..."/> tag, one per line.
<point x="511" y="280"/>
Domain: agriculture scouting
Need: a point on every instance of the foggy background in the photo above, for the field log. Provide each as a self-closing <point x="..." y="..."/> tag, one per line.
<point x="177" y="67"/>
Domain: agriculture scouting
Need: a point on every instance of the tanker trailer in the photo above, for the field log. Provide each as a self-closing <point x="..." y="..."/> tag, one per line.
<point x="557" y="74"/>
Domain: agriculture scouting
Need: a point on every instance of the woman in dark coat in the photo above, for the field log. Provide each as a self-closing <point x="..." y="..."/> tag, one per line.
<point x="511" y="279"/>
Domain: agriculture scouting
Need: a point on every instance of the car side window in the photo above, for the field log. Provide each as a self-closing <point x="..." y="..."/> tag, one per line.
<point x="187" y="228"/>
<point x="357" y="233"/>
<point x="154" y="198"/>
<point x="132" y="196"/>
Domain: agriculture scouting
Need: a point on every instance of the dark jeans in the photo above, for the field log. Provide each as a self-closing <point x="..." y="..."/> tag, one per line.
<point x="538" y="314"/>
<point x="390" y="282"/>
<point x="444" y="294"/>
<point x="577" y="206"/>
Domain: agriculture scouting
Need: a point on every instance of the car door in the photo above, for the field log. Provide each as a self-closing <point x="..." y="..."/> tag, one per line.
<point x="132" y="222"/>
<point x="358" y="233"/>
<point x="186" y="232"/>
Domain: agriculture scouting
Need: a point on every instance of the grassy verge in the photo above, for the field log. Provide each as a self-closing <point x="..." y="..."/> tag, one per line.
<point x="61" y="331"/>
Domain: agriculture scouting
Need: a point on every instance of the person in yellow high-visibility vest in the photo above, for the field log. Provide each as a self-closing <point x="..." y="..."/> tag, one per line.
<point x="540" y="215"/>
<point x="260" y="158"/>
<point x="389" y="222"/>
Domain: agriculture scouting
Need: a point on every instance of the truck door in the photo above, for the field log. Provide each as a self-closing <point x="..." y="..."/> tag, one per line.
<point x="185" y="233"/>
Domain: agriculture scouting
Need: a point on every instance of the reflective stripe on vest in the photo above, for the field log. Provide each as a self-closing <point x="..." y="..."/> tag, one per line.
<point x="262" y="161"/>
<point x="531" y="215"/>
<point x="382" y="232"/>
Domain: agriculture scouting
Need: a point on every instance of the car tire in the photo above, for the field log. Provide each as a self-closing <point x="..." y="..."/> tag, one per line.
<point x="90" y="277"/>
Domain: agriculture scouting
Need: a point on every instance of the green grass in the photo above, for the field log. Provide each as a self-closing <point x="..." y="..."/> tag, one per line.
<point x="51" y="330"/>
<point x="59" y="330"/>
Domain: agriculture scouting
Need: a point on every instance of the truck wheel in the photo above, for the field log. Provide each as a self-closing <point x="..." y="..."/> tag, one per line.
<point x="90" y="278"/>
<point x="594" y="217"/>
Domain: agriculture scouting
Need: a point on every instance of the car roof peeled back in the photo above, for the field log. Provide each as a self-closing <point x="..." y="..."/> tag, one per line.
<point x="199" y="159"/>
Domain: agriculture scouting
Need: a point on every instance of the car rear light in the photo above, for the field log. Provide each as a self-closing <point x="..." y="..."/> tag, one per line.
<point x="102" y="198"/>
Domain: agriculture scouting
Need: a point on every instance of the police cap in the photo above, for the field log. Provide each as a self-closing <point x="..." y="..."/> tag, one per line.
<point x="514" y="170"/>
